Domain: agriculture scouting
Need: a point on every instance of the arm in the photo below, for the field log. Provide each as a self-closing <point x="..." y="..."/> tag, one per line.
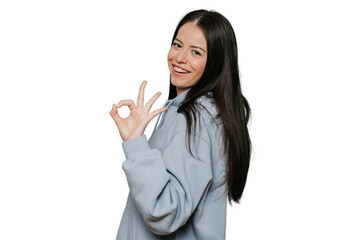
<point x="168" y="186"/>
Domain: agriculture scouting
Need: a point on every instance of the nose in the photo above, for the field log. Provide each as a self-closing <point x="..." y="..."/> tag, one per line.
<point x="181" y="57"/>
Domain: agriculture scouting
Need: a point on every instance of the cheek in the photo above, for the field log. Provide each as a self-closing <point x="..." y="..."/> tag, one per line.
<point x="171" y="55"/>
<point x="200" y="66"/>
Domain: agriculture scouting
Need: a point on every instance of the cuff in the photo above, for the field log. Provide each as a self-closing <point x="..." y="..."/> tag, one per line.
<point x="133" y="146"/>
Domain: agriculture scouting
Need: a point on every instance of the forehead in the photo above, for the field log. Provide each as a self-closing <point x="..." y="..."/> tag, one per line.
<point x="191" y="33"/>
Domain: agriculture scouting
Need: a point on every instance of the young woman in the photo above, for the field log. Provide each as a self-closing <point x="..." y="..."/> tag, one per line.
<point x="199" y="152"/>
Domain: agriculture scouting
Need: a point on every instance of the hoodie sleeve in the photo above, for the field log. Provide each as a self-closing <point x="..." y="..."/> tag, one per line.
<point x="167" y="186"/>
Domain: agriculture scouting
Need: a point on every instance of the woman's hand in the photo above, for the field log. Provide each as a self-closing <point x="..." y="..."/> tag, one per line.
<point x="134" y="125"/>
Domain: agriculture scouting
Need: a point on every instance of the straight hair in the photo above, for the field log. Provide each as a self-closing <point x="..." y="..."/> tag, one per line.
<point x="221" y="79"/>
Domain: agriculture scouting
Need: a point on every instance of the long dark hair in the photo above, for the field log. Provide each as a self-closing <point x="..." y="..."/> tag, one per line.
<point x="221" y="79"/>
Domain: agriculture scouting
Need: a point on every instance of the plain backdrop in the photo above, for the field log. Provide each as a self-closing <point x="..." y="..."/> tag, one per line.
<point x="64" y="63"/>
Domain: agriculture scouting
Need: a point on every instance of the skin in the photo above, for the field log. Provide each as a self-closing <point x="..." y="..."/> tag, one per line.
<point x="188" y="52"/>
<point x="134" y="125"/>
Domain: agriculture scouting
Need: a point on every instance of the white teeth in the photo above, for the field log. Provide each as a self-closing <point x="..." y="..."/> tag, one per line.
<point x="179" y="70"/>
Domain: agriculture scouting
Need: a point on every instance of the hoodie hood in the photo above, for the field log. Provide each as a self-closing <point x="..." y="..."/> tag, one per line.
<point x="175" y="102"/>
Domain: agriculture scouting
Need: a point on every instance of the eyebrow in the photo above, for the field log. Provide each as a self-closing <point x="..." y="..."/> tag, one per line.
<point x="193" y="46"/>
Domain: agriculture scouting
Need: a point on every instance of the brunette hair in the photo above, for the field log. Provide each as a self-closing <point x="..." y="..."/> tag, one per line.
<point x="221" y="79"/>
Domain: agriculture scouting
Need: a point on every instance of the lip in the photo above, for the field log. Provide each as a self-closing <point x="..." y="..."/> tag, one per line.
<point x="177" y="73"/>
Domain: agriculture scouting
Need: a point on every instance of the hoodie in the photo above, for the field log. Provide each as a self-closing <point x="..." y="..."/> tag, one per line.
<point x="176" y="193"/>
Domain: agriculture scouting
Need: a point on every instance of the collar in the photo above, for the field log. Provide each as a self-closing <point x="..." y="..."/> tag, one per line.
<point x="177" y="101"/>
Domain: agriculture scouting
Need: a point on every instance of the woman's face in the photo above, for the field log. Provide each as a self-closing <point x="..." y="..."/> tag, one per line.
<point x="187" y="57"/>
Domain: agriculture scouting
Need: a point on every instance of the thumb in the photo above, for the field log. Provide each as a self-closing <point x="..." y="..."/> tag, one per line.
<point x="113" y="110"/>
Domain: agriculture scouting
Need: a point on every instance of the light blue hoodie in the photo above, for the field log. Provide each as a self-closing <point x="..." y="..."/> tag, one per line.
<point x="174" y="195"/>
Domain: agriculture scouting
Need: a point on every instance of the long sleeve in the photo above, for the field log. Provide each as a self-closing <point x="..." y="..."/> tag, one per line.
<point x="167" y="184"/>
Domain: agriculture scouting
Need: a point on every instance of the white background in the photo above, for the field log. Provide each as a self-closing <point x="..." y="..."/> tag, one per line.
<point x="63" y="64"/>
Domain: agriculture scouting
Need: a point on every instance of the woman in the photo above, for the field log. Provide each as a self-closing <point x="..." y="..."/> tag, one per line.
<point x="198" y="154"/>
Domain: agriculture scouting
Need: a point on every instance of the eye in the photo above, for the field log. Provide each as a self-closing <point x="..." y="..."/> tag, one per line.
<point x="196" y="52"/>
<point x="176" y="45"/>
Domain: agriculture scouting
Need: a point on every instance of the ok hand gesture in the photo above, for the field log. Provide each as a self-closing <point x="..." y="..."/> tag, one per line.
<point x="134" y="125"/>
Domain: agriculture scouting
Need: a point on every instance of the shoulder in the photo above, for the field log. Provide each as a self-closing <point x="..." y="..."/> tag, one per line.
<point x="209" y="123"/>
<point x="207" y="110"/>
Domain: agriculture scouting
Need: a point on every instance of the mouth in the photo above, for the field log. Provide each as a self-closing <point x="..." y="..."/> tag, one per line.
<point x="179" y="70"/>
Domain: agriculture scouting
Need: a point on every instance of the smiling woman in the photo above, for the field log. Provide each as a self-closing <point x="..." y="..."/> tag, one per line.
<point x="187" y="57"/>
<point x="198" y="155"/>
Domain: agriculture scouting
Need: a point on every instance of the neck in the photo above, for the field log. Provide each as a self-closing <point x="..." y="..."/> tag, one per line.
<point x="180" y="90"/>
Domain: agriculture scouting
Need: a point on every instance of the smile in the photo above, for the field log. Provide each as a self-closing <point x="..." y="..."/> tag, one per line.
<point x="179" y="70"/>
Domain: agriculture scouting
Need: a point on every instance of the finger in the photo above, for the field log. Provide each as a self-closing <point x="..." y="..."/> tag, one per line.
<point x="156" y="112"/>
<point x="114" y="114"/>
<point x="113" y="110"/>
<point x="150" y="103"/>
<point x="116" y="117"/>
<point x="140" y="100"/>
<point x="130" y="103"/>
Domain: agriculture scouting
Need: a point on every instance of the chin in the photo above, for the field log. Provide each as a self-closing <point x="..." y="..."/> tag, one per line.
<point x="177" y="83"/>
